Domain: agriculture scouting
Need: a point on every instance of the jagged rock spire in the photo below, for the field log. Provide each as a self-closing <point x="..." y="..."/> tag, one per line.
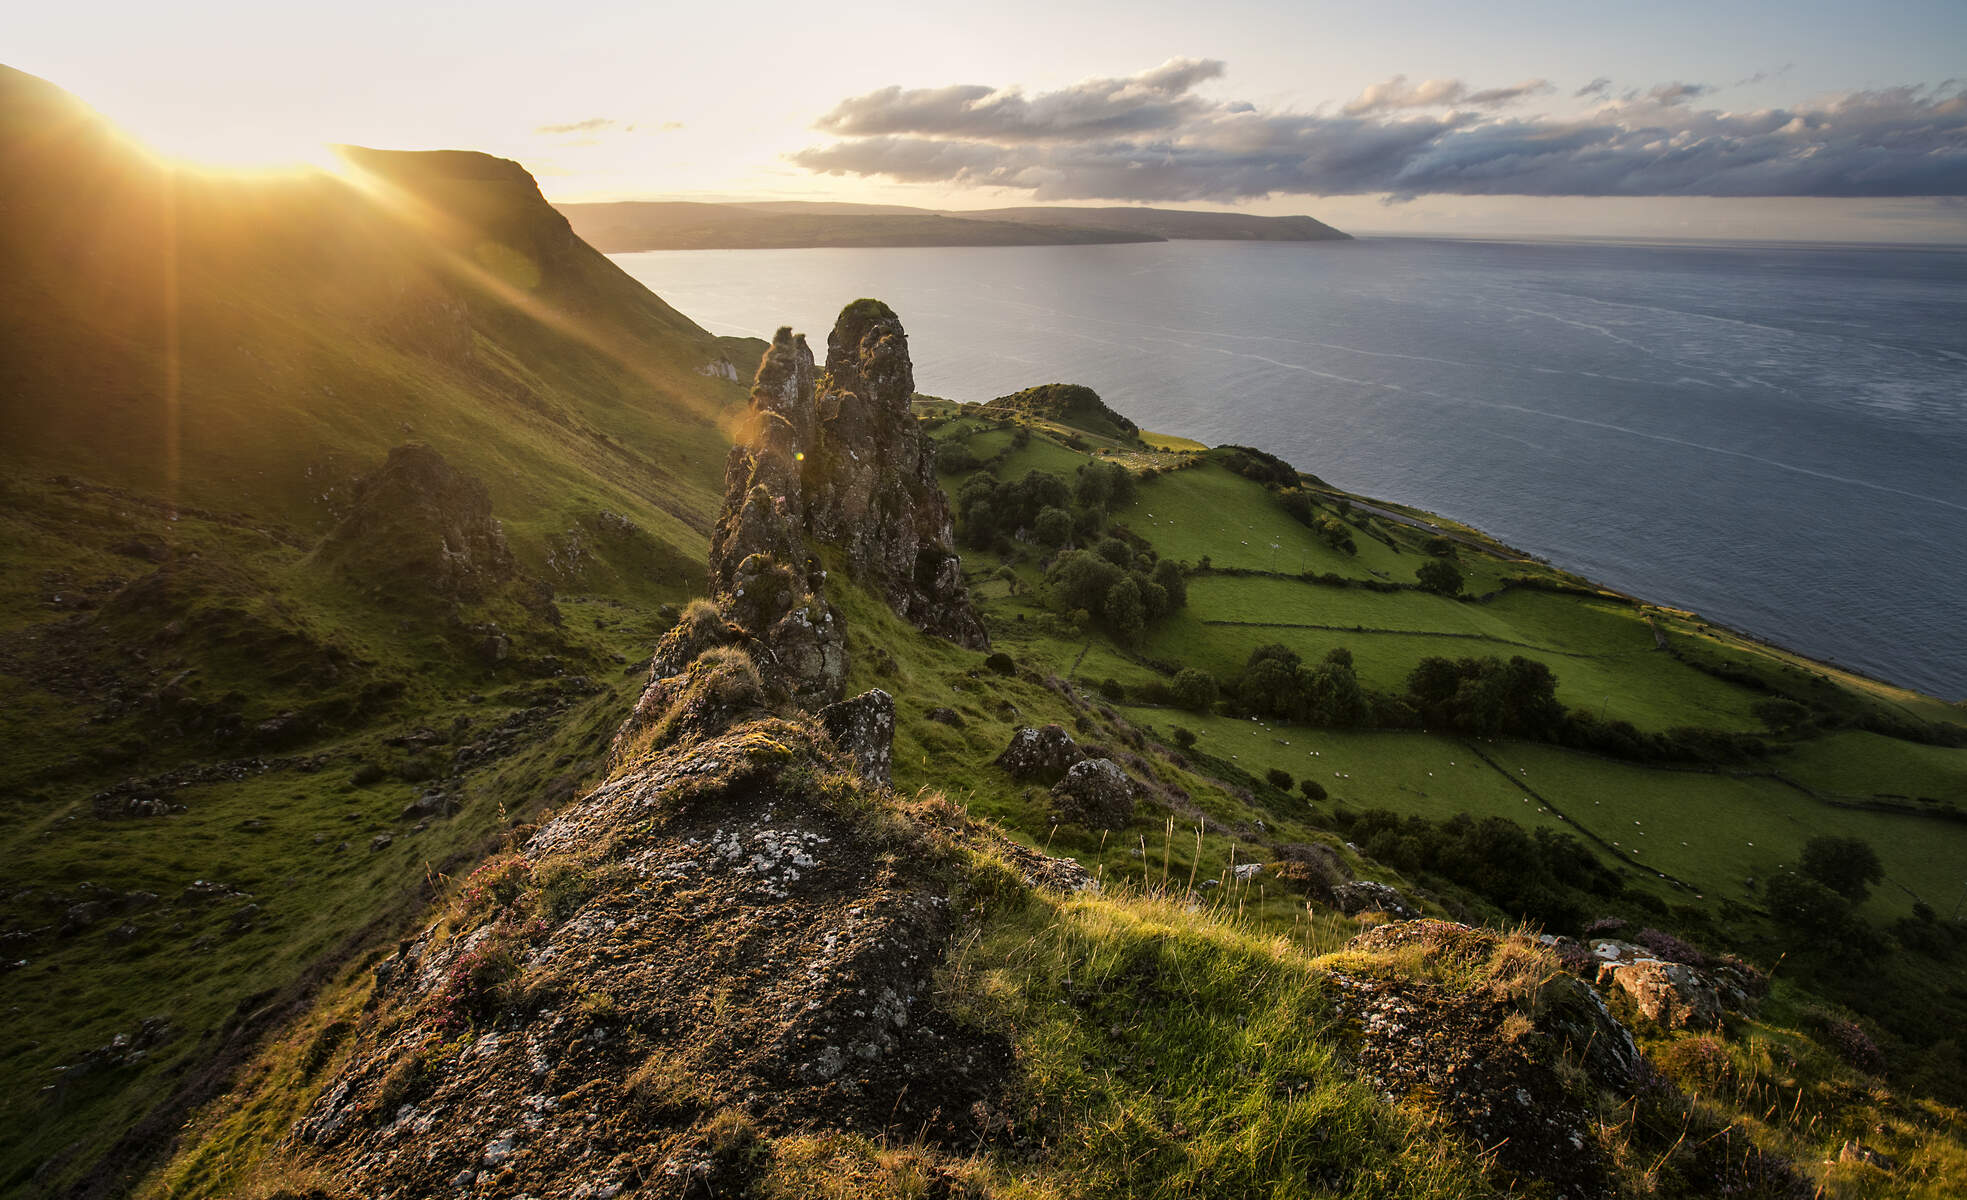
<point x="840" y="461"/>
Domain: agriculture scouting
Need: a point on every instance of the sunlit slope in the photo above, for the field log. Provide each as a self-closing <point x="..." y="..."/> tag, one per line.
<point x="245" y="341"/>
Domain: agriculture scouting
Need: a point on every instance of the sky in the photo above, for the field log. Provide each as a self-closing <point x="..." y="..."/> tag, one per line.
<point x="1804" y="120"/>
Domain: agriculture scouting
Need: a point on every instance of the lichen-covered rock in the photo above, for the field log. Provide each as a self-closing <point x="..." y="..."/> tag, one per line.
<point x="839" y="460"/>
<point x="1669" y="994"/>
<point x="1040" y="755"/>
<point x="1485" y="1031"/>
<point x="1095" y="793"/>
<point x="864" y="729"/>
<point x="1366" y="895"/>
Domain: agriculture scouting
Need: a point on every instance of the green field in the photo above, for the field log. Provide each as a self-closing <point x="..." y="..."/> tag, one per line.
<point x="1717" y="831"/>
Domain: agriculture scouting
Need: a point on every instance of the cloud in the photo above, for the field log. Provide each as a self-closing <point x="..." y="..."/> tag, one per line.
<point x="1435" y="93"/>
<point x="591" y="125"/>
<point x="1153" y="100"/>
<point x="1149" y="137"/>
<point x="1597" y="87"/>
<point x="1678" y="93"/>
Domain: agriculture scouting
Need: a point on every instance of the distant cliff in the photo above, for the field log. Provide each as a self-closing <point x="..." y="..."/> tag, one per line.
<point x="655" y="225"/>
<point x="1173" y="224"/>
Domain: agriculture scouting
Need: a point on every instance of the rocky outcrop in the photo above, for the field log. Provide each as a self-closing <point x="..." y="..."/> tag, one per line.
<point x="1672" y="995"/>
<point x="1366" y="895"/>
<point x="864" y="729"/>
<point x="1508" y="1049"/>
<point x="1095" y="793"/>
<point x="1040" y="755"/>
<point x="837" y="459"/>
<point x="723" y="937"/>
<point x="419" y="525"/>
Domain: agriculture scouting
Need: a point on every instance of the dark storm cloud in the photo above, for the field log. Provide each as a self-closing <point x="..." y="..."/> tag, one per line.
<point x="1150" y="138"/>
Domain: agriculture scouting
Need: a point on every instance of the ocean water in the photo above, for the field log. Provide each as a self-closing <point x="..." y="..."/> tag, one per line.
<point x="1772" y="436"/>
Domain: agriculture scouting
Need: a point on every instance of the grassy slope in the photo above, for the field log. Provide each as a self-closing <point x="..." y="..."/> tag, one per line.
<point x="207" y="364"/>
<point x="532" y="365"/>
<point x="1248" y="958"/>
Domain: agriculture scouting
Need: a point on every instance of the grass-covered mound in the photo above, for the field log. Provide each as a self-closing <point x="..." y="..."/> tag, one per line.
<point x="1069" y="404"/>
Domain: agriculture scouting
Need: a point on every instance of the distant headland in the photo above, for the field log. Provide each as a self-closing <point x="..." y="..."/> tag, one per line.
<point x="783" y="225"/>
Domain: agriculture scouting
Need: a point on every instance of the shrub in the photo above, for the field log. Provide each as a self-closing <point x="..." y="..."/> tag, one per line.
<point x="1196" y="689"/>
<point x="1312" y="789"/>
<point x="1184" y="737"/>
<point x="1001" y="663"/>
<point x="1112" y="689"/>
<point x="1845" y="865"/>
<point x="1440" y="576"/>
<point x="1279" y="779"/>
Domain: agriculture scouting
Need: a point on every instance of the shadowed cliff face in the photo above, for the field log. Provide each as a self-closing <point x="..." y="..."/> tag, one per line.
<point x="839" y="460"/>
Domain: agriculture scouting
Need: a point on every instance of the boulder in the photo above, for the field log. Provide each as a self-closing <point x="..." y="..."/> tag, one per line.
<point x="1095" y="793"/>
<point x="1669" y="994"/>
<point x="1041" y="755"/>
<point x="1366" y="895"/>
<point x="864" y="728"/>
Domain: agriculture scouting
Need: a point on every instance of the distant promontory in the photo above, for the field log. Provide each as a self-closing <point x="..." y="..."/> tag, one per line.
<point x="683" y="225"/>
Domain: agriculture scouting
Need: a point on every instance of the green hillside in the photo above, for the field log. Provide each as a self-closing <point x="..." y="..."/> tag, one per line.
<point x="342" y="515"/>
<point x="196" y="375"/>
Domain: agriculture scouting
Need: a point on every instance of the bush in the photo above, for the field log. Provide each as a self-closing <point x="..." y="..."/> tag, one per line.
<point x="1312" y="789"/>
<point x="1845" y="865"/>
<point x="1111" y="688"/>
<point x="1196" y="689"/>
<point x="1001" y="663"/>
<point x="1440" y="576"/>
<point x="1279" y="779"/>
<point x="1184" y="737"/>
<point x="1807" y="907"/>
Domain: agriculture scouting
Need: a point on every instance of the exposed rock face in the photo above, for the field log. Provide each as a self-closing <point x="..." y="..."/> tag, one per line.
<point x="1366" y="895"/>
<point x="717" y="938"/>
<point x="864" y="729"/>
<point x="702" y="941"/>
<point x="839" y="460"/>
<point x="420" y="525"/>
<point x="1670" y="994"/>
<point x="1095" y="793"/>
<point x="1041" y="755"/>
<point x="1457" y="1048"/>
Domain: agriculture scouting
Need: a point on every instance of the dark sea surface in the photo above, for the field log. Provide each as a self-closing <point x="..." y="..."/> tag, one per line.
<point x="1773" y="436"/>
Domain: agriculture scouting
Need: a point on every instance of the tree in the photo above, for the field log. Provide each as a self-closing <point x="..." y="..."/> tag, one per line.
<point x="1298" y="505"/>
<point x="1184" y="737"/>
<point x="1125" y="612"/>
<point x="1278" y="778"/>
<point x="1053" y="527"/>
<point x="1441" y="576"/>
<point x="1271" y="679"/>
<point x="1845" y="865"/>
<point x="1312" y="789"/>
<point x="1082" y="580"/>
<point x="1809" y="908"/>
<point x="1168" y="574"/>
<point x="1195" y="689"/>
<point x="1117" y="552"/>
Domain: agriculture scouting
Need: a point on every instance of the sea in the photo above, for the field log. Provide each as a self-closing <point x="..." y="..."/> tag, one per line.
<point x="1774" y="436"/>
